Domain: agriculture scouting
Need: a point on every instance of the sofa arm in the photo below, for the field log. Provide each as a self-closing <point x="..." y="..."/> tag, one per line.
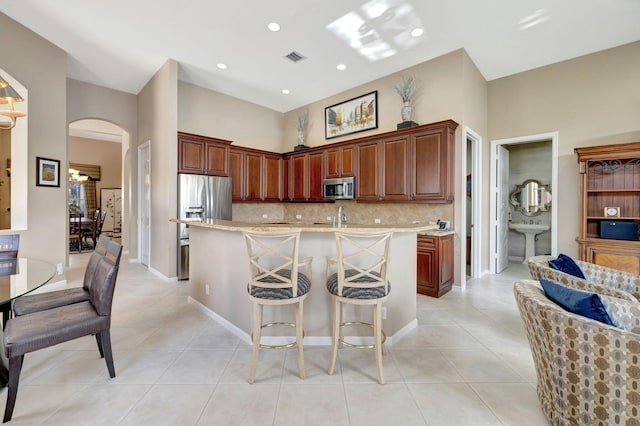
<point x="612" y="277"/>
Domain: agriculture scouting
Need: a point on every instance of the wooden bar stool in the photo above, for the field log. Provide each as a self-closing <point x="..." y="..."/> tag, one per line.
<point x="360" y="279"/>
<point x="274" y="280"/>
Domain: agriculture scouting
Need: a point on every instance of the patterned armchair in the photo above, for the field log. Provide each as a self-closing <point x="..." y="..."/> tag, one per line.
<point x="602" y="280"/>
<point x="588" y="372"/>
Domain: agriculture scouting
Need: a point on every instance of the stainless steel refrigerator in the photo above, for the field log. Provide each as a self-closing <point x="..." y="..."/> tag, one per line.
<point x="199" y="197"/>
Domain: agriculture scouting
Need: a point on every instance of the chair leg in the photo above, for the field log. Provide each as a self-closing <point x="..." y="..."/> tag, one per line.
<point x="257" y="331"/>
<point x="99" y="341"/>
<point x="15" y="366"/>
<point x="300" y="337"/>
<point x="335" y="334"/>
<point x="377" y="339"/>
<point x="105" y="337"/>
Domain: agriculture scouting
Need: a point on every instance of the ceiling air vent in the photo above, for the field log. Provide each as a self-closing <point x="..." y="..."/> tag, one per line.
<point x="295" y="57"/>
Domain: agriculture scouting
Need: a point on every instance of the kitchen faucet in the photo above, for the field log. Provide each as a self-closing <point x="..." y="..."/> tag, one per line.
<point x="342" y="216"/>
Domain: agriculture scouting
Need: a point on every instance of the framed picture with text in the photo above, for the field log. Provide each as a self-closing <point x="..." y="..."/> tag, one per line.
<point x="47" y="172"/>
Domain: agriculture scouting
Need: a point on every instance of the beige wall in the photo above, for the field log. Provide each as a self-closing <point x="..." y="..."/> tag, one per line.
<point x="209" y="113"/>
<point x="591" y="100"/>
<point x="107" y="155"/>
<point x="25" y="58"/>
<point x="158" y="123"/>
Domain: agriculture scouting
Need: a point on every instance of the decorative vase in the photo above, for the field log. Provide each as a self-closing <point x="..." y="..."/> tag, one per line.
<point x="300" y="137"/>
<point x="406" y="111"/>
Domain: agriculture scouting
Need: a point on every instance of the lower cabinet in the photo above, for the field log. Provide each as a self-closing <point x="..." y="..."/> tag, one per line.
<point x="435" y="264"/>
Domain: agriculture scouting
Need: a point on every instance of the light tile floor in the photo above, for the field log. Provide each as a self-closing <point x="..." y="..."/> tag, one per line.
<point x="467" y="363"/>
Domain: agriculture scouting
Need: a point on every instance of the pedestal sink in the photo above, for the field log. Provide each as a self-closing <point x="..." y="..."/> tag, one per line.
<point x="530" y="230"/>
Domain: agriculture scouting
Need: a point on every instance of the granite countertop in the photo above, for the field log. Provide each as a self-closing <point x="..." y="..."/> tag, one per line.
<point x="230" y="225"/>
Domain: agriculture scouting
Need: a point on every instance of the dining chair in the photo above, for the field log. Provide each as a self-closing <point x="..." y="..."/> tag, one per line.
<point x="360" y="279"/>
<point x="92" y="232"/>
<point x="31" y="303"/>
<point x="75" y="230"/>
<point x="38" y="330"/>
<point x="275" y="279"/>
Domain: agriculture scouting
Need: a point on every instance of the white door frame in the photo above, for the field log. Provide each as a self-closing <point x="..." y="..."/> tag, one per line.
<point x="143" y="189"/>
<point x="476" y="201"/>
<point x="553" y="136"/>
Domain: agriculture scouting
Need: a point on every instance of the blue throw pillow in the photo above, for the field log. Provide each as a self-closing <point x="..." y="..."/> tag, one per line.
<point x="567" y="265"/>
<point x="577" y="301"/>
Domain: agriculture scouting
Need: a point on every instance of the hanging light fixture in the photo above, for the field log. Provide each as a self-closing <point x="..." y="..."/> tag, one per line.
<point x="76" y="177"/>
<point x="8" y="96"/>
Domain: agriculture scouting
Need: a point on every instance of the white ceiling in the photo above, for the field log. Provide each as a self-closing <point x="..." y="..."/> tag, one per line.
<point x="120" y="44"/>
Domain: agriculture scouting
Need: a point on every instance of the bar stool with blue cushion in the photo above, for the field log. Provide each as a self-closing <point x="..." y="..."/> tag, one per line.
<point x="274" y="279"/>
<point x="361" y="279"/>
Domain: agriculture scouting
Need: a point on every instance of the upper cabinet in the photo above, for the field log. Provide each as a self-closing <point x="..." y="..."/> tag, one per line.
<point x="414" y="165"/>
<point x="202" y="155"/>
<point x="255" y="175"/>
<point x="408" y="165"/>
<point x="340" y="161"/>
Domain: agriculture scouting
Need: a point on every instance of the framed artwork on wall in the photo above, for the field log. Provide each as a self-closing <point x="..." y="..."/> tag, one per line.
<point x="111" y="203"/>
<point x="47" y="172"/>
<point x="352" y="116"/>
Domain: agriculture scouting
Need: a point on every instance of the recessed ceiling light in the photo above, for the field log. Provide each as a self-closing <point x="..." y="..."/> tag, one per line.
<point x="273" y="26"/>
<point x="417" y="32"/>
<point x="286" y="91"/>
<point x="222" y="66"/>
<point x="341" y="67"/>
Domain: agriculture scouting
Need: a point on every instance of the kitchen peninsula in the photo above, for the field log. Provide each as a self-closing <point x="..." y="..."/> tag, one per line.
<point x="218" y="275"/>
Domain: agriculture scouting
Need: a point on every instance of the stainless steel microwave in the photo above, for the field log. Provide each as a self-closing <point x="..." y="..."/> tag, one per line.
<point x="339" y="188"/>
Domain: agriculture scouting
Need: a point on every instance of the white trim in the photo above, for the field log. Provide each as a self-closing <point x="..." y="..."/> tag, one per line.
<point x="141" y="186"/>
<point x="162" y="276"/>
<point x="310" y="341"/>
<point x="476" y="206"/>
<point x="554" y="137"/>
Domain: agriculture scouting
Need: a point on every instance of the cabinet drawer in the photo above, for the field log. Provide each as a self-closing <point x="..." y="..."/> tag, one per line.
<point x="427" y="241"/>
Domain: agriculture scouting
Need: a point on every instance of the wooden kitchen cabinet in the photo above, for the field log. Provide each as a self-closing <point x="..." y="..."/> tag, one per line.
<point x="340" y="161"/>
<point x="256" y="175"/>
<point x="609" y="177"/>
<point x="306" y="173"/>
<point x="202" y="155"/>
<point x="435" y="264"/>
<point x="316" y="176"/>
<point x="382" y="170"/>
<point x="433" y="163"/>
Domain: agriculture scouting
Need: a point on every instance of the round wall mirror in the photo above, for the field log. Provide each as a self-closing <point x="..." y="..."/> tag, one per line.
<point x="531" y="198"/>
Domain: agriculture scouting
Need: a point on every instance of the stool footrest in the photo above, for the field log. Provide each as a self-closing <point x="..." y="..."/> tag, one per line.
<point x="274" y="324"/>
<point x="353" y="345"/>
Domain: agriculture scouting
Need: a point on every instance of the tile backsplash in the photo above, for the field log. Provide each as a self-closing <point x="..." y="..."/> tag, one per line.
<point x="356" y="212"/>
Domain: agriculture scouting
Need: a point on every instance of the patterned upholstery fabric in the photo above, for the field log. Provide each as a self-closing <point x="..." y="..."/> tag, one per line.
<point x="588" y="372"/>
<point x="601" y="280"/>
<point x="623" y="313"/>
<point x="355" y="292"/>
<point x="304" y="285"/>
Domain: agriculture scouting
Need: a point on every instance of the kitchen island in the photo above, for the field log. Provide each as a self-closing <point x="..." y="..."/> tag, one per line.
<point x="218" y="275"/>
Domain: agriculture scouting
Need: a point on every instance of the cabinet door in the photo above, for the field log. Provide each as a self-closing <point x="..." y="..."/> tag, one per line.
<point x="299" y="179"/>
<point x="191" y="156"/>
<point x="430" y="166"/>
<point x="368" y="179"/>
<point x="287" y="188"/>
<point x="348" y="160"/>
<point x="236" y="172"/>
<point x="316" y="175"/>
<point x="332" y="162"/>
<point x="216" y="159"/>
<point x="253" y="173"/>
<point x="272" y="166"/>
<point x="425" y="272"/>
<point x="395" y="169"/>
<point x="445" y="257"/>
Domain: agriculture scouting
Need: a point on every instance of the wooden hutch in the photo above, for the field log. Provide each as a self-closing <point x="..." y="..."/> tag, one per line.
<point x="609" y="192"/>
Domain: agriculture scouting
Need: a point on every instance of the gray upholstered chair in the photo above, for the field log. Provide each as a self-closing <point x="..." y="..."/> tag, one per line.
<point x="275" y="279"/>
<point x="9" y="245"/>
<point x="600" y="279"/>
<point x="31" y="303"/>
<point x="360" y="279"/>
<point x="588" y="372"/>
<point x="38" y="330"/>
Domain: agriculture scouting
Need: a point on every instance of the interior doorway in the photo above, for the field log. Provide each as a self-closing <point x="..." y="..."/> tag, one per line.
<point x="473" y="205"/>
<point x="499" y="196"/>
